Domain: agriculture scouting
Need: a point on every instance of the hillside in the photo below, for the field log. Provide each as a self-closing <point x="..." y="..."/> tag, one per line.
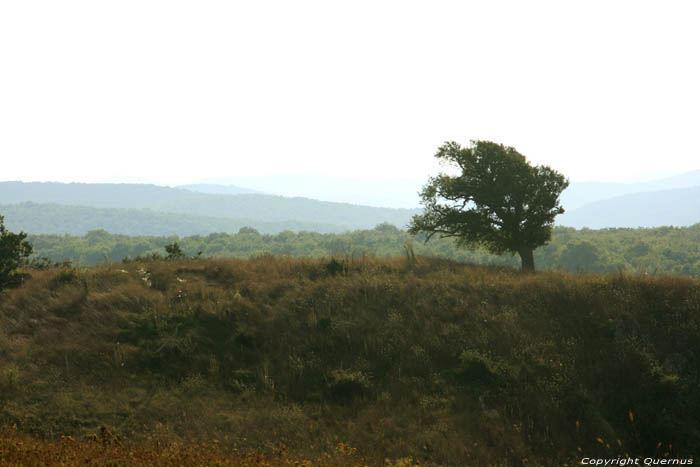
<point x="51" y="218"/>
<point x="579" y="194"/>
<point x="380" y="192"/>
<point x="677" y="207"/>
<point x="436" y="361"/>
<point x="207" y="208"/>
<point x="256" y="207"/>
<point x="404" y="192"/>
<point x="215" y="189"/>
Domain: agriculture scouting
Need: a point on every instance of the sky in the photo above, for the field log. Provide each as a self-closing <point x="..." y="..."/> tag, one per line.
<point x="182" y="91"/>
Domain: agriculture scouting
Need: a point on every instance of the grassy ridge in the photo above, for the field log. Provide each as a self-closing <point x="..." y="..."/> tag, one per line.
<point x="434" y="360"/>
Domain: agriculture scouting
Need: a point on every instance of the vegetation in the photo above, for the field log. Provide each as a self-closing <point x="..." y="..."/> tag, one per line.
<point x="498" y="201"/>
<point x="51" y="218"/>
<point x="14" y="251"/>
<point x="105" y="448"/>
<point x="427" y="359"/>
<point x="663" y="250"/>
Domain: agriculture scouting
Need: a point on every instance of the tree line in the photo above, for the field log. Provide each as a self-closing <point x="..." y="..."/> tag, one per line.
<point x="661" y="250"/>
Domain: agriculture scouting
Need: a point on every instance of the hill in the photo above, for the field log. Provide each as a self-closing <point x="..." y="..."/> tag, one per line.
<point x="654" y="203"/>
<point x="215" y="189"/>
<point x="678" y="207"/>
<point x="431" y="360"/>
<point x="380" y="192"/>
<point x="50" y="218"/>
<point x="404" y="192"/>
<point x="256" y="207"/>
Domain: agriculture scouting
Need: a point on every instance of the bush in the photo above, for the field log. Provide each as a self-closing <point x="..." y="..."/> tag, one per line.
<point x="14" y="251"/>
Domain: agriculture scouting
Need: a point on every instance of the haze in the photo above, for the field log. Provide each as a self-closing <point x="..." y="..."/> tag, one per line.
<point x="178" y="92"/>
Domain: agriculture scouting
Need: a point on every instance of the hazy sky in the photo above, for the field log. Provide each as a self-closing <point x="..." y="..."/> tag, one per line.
<point x="177" y="91"/>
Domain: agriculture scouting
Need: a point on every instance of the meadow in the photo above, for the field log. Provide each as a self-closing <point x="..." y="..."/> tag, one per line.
<point x="346" y="361"/>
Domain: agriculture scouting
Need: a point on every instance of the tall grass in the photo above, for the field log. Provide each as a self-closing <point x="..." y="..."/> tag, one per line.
<point x="426" y="359"/>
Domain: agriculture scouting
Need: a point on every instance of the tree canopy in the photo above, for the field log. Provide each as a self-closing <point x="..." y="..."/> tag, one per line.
<point x="498" y="200"/>
<point x="14" y="251"/>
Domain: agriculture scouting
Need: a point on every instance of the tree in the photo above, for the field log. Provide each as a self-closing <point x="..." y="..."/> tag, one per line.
<point x="174" y="251"/>
<point x="498" y="201"/>
<point x="582" y="256"/>
<point x="14" y="251"/>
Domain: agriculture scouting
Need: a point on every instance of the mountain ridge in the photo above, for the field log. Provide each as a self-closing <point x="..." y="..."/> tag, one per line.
<point x="677" y="207"/>
<point x="255" y="207"/>
<point x="51" y="218"/>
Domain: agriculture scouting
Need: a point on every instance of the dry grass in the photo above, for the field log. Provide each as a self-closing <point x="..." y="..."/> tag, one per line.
<point x="103" y="448"/>
<point x="429" y="360"/>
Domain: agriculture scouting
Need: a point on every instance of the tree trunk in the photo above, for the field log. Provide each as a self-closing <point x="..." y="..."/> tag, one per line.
<point x="528" y="260"/>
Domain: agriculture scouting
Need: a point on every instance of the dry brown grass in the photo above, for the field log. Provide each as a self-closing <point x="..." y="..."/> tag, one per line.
<point x="429" y="360"/>
<point x="104" y="448"/>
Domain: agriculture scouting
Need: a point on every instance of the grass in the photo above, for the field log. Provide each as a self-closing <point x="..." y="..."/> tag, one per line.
<point x="419" y="359"/>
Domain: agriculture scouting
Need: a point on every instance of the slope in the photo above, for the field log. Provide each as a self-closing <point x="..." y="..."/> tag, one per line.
<point x="437" y="361"/>
<point x="679" y="207"/>
<point x="259" y="207"/>
<point x="50" y="218"/>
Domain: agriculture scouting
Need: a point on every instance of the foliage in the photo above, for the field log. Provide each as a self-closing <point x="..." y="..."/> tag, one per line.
<point x="664" y="250"/>
<point x="438" y="361"/>
<point x="14" y="251"/>
<point x="174" y="251"/>
<point x="498" y="201"/>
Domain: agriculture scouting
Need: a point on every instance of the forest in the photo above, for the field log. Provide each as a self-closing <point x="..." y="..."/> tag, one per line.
<point x="661" y="250"/>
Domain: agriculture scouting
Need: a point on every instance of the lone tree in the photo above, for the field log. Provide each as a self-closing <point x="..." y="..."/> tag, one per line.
<point x="14" y="251"/>
<point x="499" y="200"/>
<point x="174" y="251"/>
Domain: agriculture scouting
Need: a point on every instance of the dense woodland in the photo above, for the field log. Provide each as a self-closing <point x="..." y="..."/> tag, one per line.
<point x="662" y="250"/>
<point x="51" y="218"/>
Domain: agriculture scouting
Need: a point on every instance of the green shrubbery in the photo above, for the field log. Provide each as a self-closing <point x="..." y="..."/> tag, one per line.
<point x="663" y="250"/>
<point x="14" y="251"/>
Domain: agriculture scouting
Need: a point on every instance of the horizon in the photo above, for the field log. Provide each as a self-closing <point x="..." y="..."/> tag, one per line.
<point x="397" y="193"/>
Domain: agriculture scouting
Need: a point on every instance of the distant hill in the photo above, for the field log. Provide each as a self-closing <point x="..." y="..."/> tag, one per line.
<point x="250" y="207"/>
<point x="378" y="192"/>
<point x="670" y="201"/>
<point x="214" y="189"/>
<point x="403" y="193"/>
<point x="678" y="207"/>
<point x="580" y="194"/>
<point x="49" y="218"/>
